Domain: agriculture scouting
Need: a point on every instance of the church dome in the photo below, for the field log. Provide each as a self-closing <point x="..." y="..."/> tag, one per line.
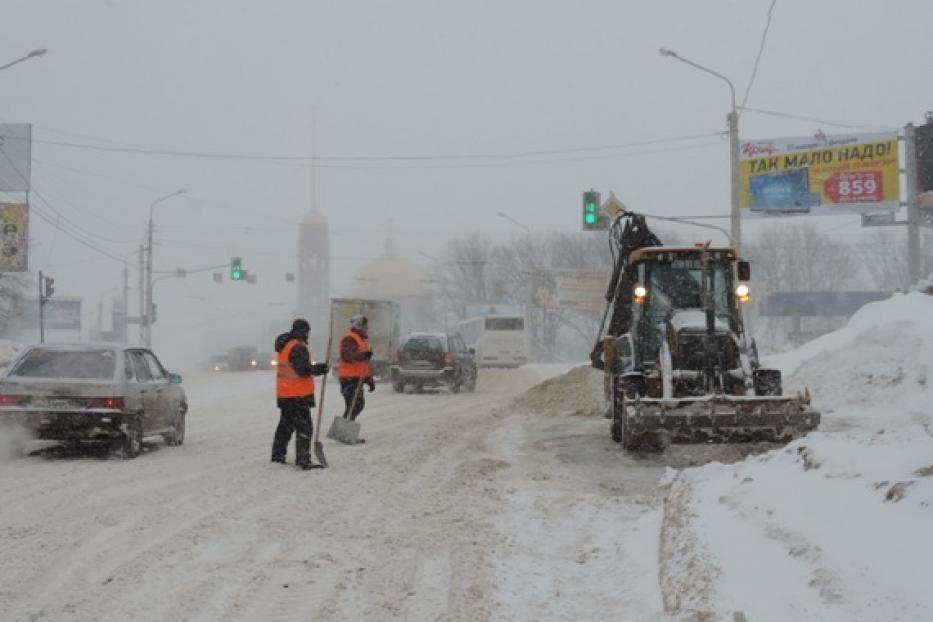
<point x="390" y="277"/>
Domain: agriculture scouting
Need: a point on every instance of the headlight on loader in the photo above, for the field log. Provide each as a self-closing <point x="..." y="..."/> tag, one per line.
<point x="742" y="292"/>
<point x="640" y="292"/>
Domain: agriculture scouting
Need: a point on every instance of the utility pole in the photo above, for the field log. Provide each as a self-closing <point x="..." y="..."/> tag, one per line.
<point x="41" y="309"/>
<point x="313" y="158"/>
<point x="736" y="215"/>
<point x="913" y="213"/>
<point x="126" y="300"/>
<point x="142" y="293"/>
<point x="733" y="119"/>
<point x="148" y="315"/>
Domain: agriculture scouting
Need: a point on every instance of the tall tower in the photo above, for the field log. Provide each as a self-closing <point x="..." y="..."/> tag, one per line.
<point x="314" y="278"/>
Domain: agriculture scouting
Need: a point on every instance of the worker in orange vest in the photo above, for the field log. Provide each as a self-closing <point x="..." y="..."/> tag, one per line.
<point x="294" y="392"/>
<point x="355" y="369"/>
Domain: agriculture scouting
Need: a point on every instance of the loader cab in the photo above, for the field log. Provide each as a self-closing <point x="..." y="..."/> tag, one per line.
<point x="673" y="280"/>
<point x="671" y="312"/>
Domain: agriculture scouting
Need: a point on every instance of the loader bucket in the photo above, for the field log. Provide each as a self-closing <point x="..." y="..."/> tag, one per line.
<point x="654" y="423"/>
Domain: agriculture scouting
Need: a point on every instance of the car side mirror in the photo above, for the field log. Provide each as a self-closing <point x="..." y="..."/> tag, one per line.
<point x="744" y="270"/>
<point x="174" y="379"/>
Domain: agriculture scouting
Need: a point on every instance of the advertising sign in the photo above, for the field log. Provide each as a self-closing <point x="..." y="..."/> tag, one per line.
<point x="15" y="158"/>
<point x="14" y="237"/>
<point x="837" y="174"/>
<point x="61" y="313"/>
<point x="569" y="290"/>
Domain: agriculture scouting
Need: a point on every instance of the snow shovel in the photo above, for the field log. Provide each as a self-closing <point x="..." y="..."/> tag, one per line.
<point x="344" y="429"/>
<point x="318" y="445"/>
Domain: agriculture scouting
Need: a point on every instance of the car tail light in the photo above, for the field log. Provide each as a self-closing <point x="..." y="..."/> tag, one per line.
<point x="13" y="400"/>
<point x="449" y="359"/>
<point x="110" y="403"/>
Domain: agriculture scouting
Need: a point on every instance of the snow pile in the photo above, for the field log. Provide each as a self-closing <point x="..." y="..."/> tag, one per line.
<point x="837" y="525"/>
<point x="578" y="392"/>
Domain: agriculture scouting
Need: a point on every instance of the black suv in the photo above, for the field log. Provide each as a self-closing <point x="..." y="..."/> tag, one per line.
<point x="431" y="359"/>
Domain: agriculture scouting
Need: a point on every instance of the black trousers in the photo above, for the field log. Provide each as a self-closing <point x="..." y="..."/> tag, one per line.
<point x="348" y="387"/>
<point x="295" y="417"/>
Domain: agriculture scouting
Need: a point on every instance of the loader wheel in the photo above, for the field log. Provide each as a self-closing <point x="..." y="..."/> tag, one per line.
<point x="617" y="431"/>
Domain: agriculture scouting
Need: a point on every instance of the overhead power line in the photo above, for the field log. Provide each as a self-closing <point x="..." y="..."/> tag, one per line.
<point x="798" y="117"/>
<point x="367" y="158"/>
<point x="761" y="49"/>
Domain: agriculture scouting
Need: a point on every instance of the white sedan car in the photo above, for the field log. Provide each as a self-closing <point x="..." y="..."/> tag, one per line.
<point x="93" y="392"/>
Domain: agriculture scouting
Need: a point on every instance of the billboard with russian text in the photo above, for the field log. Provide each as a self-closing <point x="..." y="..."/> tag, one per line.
<point x="836" y="174"/>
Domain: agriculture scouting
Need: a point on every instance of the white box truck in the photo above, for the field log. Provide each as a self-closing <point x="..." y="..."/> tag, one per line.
<point x="384" y="318"/>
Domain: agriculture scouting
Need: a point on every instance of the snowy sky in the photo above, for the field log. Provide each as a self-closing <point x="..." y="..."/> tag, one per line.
<point x="408" y="78"/>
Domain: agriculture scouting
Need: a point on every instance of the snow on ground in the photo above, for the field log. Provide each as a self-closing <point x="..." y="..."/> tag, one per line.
<point x="456" y="508"/>
<point x="837" y="525"/>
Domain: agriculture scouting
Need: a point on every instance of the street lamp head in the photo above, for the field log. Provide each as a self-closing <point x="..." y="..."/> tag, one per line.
<point x="36" y="53"/>
<point x="667" y="52"/>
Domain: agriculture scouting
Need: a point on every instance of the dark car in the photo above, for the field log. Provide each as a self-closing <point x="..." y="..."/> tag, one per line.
<point x="433" y="359"/>
<point x="93" y="392"/>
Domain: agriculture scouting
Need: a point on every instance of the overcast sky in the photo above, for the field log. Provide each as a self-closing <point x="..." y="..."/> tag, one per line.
<point x="409" y="78"/>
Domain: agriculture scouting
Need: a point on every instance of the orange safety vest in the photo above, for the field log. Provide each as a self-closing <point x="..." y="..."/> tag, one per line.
<point x="355" y="369"/>
<point x="287" y="381"/>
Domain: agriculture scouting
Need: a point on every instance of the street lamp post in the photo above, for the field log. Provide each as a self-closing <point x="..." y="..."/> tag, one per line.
<point x="34" y="54"/>
<point x="147" y="316"/>
<point x="733" y="119"/>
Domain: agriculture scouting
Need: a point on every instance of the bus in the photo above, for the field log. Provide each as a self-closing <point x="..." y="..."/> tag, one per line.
<point x="499" y="341"/>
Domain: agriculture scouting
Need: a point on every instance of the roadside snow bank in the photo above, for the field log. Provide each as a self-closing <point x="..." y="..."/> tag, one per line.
<point x="837" y="525"/>
<point x="577" y="392"/>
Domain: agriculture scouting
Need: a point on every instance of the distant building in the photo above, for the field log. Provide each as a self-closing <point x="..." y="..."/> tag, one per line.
<point x="314" y="276"/>
<point x="393" y="277"/>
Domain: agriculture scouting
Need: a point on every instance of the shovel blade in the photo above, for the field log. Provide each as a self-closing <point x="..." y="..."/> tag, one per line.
<point x="344" y="431"/>
<point x="319" y="454"/>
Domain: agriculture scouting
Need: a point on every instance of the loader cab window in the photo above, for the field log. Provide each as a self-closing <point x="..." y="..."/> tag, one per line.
<point x="672" y="287"/>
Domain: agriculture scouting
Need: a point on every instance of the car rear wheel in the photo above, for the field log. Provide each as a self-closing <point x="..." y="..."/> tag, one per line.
<point x="131" y="443"/>
<point x="399" y="387"/>
<point x="177" y="436"/>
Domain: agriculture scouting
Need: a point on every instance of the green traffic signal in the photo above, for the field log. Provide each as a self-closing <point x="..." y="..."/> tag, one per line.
<point x="236" y="269"/>
<point x="590" y="210"/>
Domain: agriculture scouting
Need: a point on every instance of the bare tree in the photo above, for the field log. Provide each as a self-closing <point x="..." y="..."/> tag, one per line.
<point x="12" y="291"/>
<point x="797" y="258"/>
<point x="885" y="258"/>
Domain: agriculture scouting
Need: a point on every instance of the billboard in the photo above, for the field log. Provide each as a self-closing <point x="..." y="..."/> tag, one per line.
<point x="836" y="174"/>
<point x="61" y="313"/>
<point x="15" y="157"/>
<point x="14" y="237"/>
<point x="579" y="291"/>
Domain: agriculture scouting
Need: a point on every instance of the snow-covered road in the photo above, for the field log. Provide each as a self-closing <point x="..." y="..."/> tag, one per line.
<point x="455" y="509"/>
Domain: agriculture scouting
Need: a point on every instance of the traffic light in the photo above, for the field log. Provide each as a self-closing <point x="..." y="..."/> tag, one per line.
<point x="923" y="136"/>
<point x="236" y="269"/>
<point x="49" y="287"/>
<point x="591" y="219"/>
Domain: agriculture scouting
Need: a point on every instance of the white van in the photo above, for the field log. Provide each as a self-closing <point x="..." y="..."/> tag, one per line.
<point x="499" y="341"/>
